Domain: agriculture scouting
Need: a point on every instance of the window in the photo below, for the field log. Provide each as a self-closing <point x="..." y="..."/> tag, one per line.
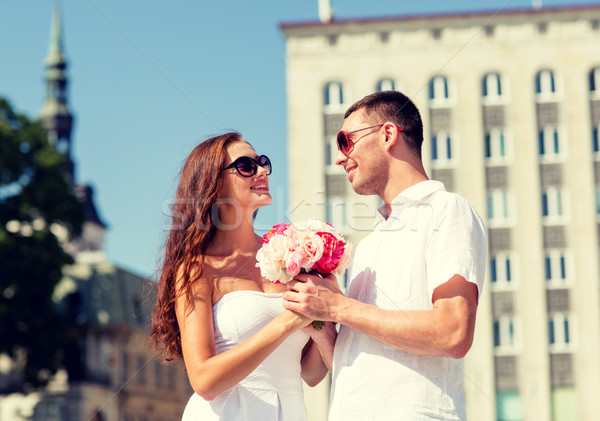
<point x="553" y="205"/>
<point x="595" y="141"/>
<point x="492" y="89"/>
<point x="385" y="85"/>
<point x="336" y="213"/>
<point x="158" y="374"/>
<point x="560" y="331"/>
<point x="125" y="367"/>
<point x="506" y="334"/>
<point x="171" y="378"/>
<point x="545" y="85"/>
<point x="509" y="406"/>
<point x="330" y="153"/>
<point x="595" y="82"/>
<point x="443" y="153"/>
<point x="565" y="399"/>
<point x="499" y="208"/>
<point x="52" y="410"/>
<point x="62" y="146"/>
<point x="491" y="86"/>
<point x="550" y="144"/>
<point x="502" y="271"/>
<point x="439" y="90"/>
<point x="496" y="146"/>
<point x="333" y="95"/>
<point x="346" y="277"/>
<point x="556" y="268"/>
<point x="141" y="372"/>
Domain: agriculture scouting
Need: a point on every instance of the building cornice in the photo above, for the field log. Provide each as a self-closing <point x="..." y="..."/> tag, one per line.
<point x="439" y="19"/>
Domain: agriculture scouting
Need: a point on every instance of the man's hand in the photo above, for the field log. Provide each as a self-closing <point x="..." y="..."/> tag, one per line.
<point x="316" y="297"/>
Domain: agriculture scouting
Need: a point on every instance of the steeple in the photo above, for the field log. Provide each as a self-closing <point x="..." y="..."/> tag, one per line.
<point x="55" y="115"/>
<point x="58" y="122"/>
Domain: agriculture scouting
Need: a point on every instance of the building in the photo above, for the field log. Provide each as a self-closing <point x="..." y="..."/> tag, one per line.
<point x="121" y="378"/>
<point x="511" y="106"/>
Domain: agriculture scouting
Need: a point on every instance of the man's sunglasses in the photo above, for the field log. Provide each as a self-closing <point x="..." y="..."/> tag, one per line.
<point x="345" y="145"/>
<point x="247" y="166"/>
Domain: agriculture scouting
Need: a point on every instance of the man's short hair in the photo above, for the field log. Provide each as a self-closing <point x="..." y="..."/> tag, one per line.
<point x="396" y="107"/>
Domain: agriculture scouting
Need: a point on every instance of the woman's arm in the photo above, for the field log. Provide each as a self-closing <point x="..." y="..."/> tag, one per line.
<point x="317" y="357"/>
<point x="211" y="374"/>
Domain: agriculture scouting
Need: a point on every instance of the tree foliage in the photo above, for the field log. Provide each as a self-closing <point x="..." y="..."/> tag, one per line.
<point x="36" y="203"/>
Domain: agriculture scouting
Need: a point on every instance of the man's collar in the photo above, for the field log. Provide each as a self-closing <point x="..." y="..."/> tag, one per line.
<point x="414" y="194"/>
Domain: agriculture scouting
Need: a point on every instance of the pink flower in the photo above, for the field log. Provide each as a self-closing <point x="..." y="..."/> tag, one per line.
<point x="278" y="229"/>
<point x="333" y="250"/>
<point x="345" y="261"/>
<point x="292" y="262"/>
<point x="310" y="246"/>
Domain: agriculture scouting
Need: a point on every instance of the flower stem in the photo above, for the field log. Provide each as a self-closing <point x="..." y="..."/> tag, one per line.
<point x="317" y="324"/>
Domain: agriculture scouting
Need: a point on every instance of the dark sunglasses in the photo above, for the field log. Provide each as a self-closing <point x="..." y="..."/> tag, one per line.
<point x="247" y="166"/>
<point x="345" y="145"/>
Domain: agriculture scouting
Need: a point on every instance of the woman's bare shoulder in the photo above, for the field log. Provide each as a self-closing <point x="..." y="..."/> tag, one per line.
<point x="194" y="281"/>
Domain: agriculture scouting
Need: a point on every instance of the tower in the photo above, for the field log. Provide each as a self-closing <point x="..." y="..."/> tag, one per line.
<point x="58" y="122"/>
<point x="55" y="115"/>
<point x="120" y="377"/>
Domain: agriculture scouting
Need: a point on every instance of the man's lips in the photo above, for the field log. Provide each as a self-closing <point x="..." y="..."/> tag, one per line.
<point x="350" y="170"/>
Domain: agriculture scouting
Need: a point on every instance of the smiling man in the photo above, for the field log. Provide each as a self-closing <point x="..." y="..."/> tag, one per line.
<point x="408" y="317"/>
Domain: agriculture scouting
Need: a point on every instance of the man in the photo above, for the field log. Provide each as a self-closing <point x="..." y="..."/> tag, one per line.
<point x="409" y="315"/>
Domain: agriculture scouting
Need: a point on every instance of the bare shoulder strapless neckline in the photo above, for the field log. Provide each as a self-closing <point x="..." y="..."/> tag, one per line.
<point x="273" y="391"/>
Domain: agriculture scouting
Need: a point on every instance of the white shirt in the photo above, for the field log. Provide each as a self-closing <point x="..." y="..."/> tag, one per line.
<point x="430" y="236"/>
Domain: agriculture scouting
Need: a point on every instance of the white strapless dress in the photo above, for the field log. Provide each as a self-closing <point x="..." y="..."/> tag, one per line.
<point x="273" y="391"/>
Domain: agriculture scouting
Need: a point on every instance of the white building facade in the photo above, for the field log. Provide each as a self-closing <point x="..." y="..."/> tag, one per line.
<point x="510" y="102"/>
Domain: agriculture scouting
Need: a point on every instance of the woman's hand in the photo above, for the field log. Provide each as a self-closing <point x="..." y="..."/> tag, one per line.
<point x="324" y="340"/>
<point x="297" y="320"/>
<point x="317" y="358"/>
<point x="323" y="335"/>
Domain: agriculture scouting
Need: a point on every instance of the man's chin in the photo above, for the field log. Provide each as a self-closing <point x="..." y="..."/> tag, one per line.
<point x="361" y="189"/>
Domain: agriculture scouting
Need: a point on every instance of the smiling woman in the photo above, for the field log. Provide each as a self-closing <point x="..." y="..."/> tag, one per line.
<point x="245" y="355"/>
<point x="247" y="173"/>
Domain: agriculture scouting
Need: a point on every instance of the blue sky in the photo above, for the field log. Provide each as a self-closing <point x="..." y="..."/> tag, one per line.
<point x="150" y="79"/>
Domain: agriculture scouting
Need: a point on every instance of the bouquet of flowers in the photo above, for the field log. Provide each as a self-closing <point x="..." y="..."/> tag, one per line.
<point x="312" y="246"/>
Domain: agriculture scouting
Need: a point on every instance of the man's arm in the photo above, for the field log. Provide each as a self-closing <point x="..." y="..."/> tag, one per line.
<point x="446" y="330"/>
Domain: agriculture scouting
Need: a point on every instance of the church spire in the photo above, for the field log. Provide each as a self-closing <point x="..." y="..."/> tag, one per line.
<point x="55" y="115"/>
<point x="55" y="54"/>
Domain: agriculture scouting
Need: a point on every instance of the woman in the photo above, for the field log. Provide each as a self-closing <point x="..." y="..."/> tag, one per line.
<point x="244" y="353"/>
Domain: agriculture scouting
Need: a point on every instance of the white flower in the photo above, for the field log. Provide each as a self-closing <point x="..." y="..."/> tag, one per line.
<point x="271" y="257"/>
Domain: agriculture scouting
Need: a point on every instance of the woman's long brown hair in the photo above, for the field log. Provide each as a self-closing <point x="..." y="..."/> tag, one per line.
<point x="192" y="231"/>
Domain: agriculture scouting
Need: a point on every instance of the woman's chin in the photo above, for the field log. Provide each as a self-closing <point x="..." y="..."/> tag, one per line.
<point x="262" y="201"/>
<point x="265" y="200"/>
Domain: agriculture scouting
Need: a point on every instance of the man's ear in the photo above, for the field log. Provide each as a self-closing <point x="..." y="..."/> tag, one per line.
<point x="391" y="133"/>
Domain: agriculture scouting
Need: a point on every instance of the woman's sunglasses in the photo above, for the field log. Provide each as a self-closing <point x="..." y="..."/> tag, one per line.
<point x="247" y="166"/>
<point x="345" y="145"/>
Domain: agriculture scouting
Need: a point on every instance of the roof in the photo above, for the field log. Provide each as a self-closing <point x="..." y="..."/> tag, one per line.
<point x="439" y="16"/>
<point x="102" y="294"/>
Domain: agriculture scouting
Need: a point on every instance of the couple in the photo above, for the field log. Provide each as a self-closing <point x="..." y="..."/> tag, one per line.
<point x="409" y="314"/>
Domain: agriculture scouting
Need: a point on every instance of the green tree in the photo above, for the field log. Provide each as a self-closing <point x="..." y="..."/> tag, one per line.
<point x="35" y="200"/>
